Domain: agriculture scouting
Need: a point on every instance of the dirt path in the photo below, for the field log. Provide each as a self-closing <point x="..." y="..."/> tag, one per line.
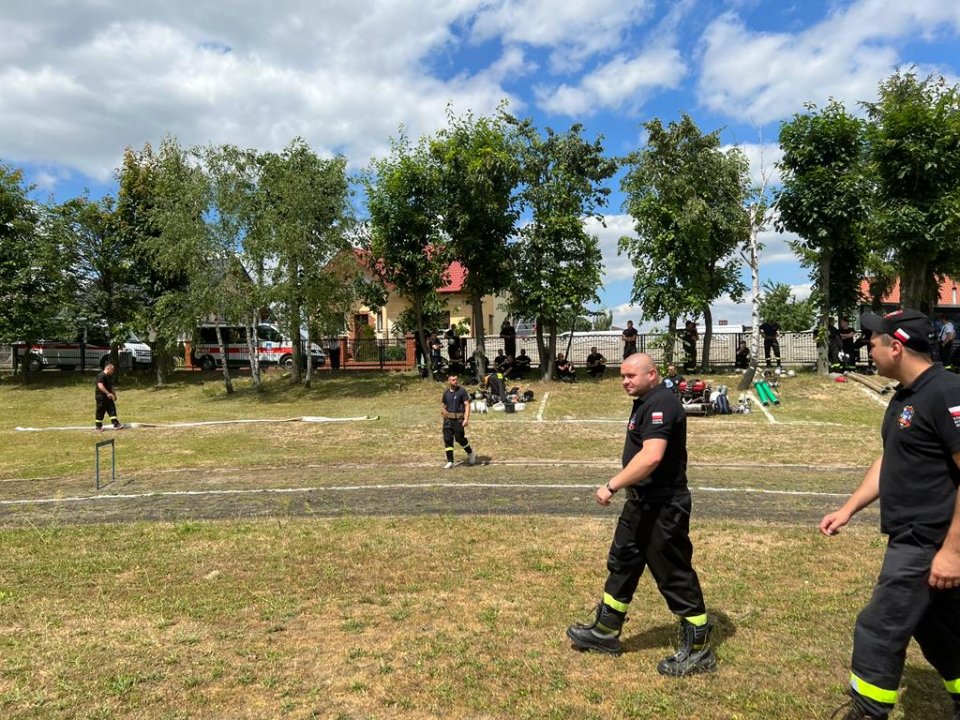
<point x="780" y="494"/>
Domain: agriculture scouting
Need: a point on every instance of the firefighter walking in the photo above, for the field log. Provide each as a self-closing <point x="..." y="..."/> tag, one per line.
<point x="918" y="591"/>
<point x="654" y="527"/>
<point x="106" y="399"/>
<point x="455" y="410"/>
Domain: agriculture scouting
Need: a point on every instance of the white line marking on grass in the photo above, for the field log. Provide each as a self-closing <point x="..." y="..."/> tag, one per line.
<point x="763" y="407"/>
<point x="543" y="405"/>
<point x="367" y="488"/>
<point x="872" y="395"/>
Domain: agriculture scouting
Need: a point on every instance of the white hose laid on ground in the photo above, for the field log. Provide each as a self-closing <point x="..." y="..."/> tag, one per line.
<point x="134" y="425"/>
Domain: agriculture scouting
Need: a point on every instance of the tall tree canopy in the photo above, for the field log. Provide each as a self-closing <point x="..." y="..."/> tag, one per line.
<point x="406" y="245"/>
<point x="557" y="264"/>
<point x="687" y="197"/>
<point x="477" y="173"/>
<point x="914" y="142"/>
<point x="825" y="199"/>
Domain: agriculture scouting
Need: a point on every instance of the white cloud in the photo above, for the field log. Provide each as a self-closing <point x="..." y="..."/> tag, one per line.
<point x="88" y="80"/>
<point x="575" y="30"/>
<point x="624" y="81"/>
<point x="765" y="76"/>
<point x="763" y="158"/>
<point x="616" y="267"/>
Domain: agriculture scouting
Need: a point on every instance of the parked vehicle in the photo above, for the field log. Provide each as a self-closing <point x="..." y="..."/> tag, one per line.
<point x="89" y="349"/>
<point x="525" y="328"/>
<point x="272" y="347"/>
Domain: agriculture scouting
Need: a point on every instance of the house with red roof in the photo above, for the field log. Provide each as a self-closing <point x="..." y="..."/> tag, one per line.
<point x="456" y="302"/>
<point x="948" y="300"/>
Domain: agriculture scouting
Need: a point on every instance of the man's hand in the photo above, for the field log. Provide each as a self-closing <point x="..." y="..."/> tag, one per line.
<point x="945" y="569"/>
<point x="466" y="421"/>
<point x="603" y="495"/>
<point x="832" y="522"/>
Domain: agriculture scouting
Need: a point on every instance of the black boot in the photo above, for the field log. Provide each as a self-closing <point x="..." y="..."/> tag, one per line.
<point x="956" y="707"/>
<point x="694" y="654"/>
<point x="602" y="635"/>
<point x="851" y="711"/>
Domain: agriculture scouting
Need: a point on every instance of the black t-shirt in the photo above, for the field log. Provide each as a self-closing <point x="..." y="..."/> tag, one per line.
<point x="658" y="415"/>
<point x="455" y="400"/>
<point x="107" y="381"/>
<point x="499" y="359"/>
<point x="508" y="332"/>
<point x="770" y="330"/>
<point x="593" y="358"/>
<point x="522" y="361"/>
<point x="918" y="477"/>
<point x="630" y="335"/>
<point x="672" y="382"/>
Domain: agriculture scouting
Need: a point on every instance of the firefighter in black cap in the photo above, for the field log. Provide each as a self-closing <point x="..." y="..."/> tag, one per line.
<point x="654" y="527"/>
<point x="455" y="410"/>
<point x="916" y="478"/>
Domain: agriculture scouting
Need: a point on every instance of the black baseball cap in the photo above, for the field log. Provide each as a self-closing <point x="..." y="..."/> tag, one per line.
<point x="910" y="327"/>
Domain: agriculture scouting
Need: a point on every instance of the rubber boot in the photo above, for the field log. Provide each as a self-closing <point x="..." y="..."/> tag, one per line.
<point x="602" y="635"/>
<point x="694" y="654"/>
<point x="852" y="711"/>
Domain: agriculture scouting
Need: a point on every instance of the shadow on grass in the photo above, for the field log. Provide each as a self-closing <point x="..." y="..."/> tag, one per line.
<point x="665" y="636"/>
<point x="925" y="695"/>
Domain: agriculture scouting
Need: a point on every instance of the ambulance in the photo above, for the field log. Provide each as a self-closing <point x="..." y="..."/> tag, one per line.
<point x="272" y="347"/>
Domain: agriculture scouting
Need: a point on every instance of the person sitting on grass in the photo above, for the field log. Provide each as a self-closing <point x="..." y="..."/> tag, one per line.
<point x="596" y="363"/>
<point x="500" y="359"/>
<point x="521" y="364"/>
<point x="672" y="379"/>
<point x="565" y="371"/>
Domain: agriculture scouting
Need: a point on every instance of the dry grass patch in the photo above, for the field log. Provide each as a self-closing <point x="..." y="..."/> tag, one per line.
<point x="421" y="618"/>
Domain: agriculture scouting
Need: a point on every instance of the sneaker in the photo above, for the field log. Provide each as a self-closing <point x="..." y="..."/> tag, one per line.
<point x="448" y="466"/>
<point x="119" y="426"/>
<point x="472" y="459"/>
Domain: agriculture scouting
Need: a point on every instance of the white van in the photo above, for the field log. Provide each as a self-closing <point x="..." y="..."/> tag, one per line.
<point x="89" y="349"/>
<point x="272" y="347"/>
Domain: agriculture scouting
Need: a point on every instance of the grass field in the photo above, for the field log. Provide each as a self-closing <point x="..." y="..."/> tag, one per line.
<point x="336" y="612"/>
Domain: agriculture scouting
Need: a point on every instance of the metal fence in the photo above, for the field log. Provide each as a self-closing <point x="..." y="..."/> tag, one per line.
<point x="795" y="348"/>
<point x="358" y="354"/>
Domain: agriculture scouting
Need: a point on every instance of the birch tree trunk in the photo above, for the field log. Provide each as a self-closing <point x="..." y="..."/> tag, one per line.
<point x="253" y="349"/>
<point x="224" y="358"/>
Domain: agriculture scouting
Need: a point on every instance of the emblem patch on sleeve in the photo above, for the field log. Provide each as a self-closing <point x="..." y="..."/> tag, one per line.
<point x="656" y="418"/>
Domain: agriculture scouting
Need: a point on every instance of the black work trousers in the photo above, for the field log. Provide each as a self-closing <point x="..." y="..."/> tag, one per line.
<point x="771" y="345"/>
<point x="453" y="430"/>
<point x="106" y="406"/>
<point x="904" y="605"/>
<point x="655" y="533"/>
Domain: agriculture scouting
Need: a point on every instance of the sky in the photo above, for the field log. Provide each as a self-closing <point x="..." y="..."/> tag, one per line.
<point x="80" y="80"/>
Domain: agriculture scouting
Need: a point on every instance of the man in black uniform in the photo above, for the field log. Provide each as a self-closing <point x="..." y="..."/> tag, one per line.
<point x="521" y="364"/>
<point x="596" y="363"/>
<point x="847" y="341"/>
<point x="771" y="340"/>
<point x="654" y="526"/>
<point x="106" y="398"/>
<point x="672" y="379"/>
<point x="509" y="334"/>
<point x="918" y="592"/>
<point x="689" y="339"/>
<point x="455" y="409"/>
<point x="629" y="340"/>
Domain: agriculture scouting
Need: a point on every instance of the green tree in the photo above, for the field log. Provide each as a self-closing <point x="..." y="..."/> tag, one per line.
<point x="163" y="286"/>
<point x="914" y="149"/>
<point x="477" y="173"/>
<point x="825" y="198"/>
<point x="779" y="304"/>
<point x="102" y="265"/>
<point x="687" y="198"/>
<point x="301" y="224"/>
<point x="406" y="245"/>
<point x="33" y="283"/>
<point x="557" y="264"/>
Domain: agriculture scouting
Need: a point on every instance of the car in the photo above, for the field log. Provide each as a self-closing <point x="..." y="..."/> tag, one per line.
<point x="90" y="348"/>
<point x="525" y="328"/>
<point x="272" y="347"/>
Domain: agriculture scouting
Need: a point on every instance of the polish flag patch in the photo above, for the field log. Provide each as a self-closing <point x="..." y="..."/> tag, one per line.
<point x="955" y="414"/>
<point x="900" y="335"/>
<point x="657" y="417"/>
